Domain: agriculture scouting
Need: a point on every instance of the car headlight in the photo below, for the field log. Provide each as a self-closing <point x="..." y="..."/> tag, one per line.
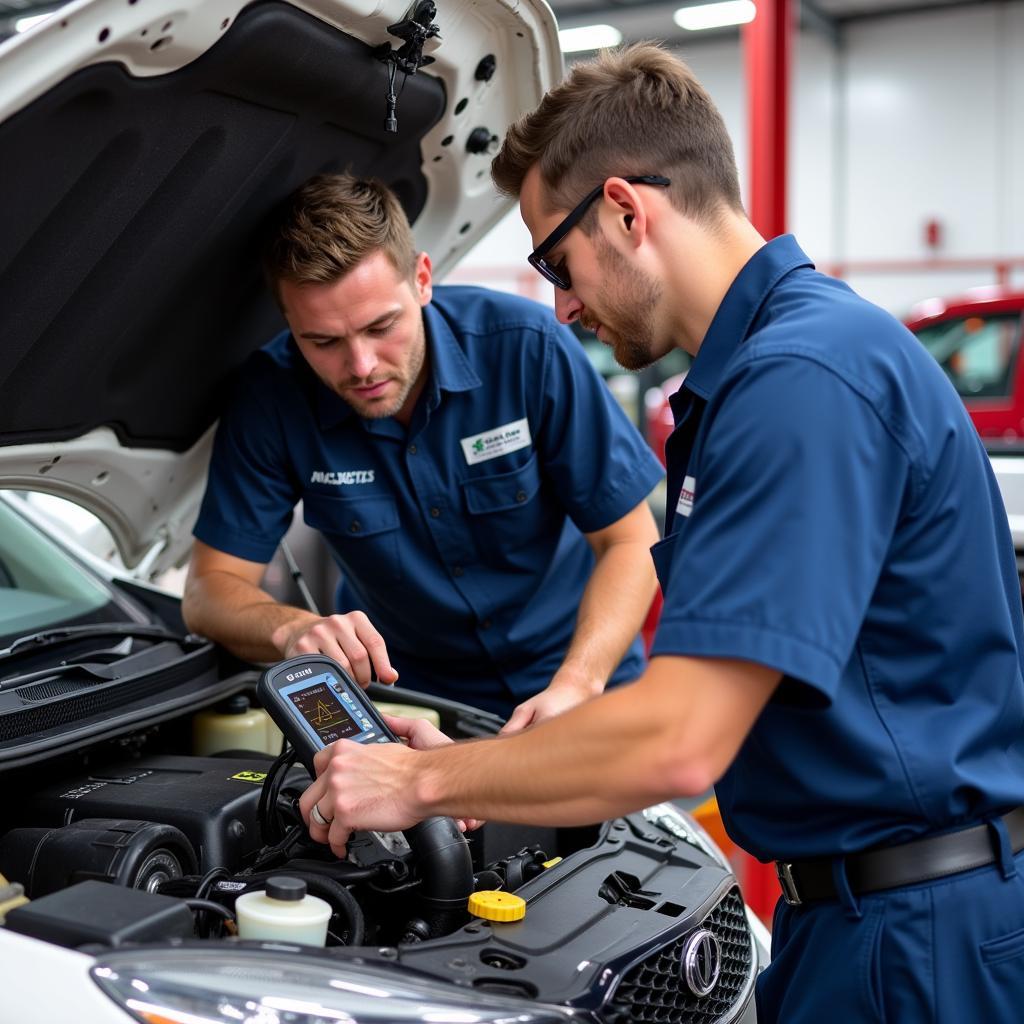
<point x="221" y="985"/>
<point x="676" y="822"/>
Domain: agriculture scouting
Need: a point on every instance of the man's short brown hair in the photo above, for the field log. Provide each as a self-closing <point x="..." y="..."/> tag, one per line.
<point x="330" y="225"/>
<point x="634" y="110"/>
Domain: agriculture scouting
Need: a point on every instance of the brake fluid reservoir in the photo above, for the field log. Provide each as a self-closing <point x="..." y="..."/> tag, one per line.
<point x="283" y="912"/>
<point x="234" y="725"/>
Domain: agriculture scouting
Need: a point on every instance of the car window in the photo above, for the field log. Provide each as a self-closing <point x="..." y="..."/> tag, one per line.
<point x="40" y="586"/>
<point x="978" y="353"/>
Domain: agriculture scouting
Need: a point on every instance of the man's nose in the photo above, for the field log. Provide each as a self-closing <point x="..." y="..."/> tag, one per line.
<point x="362" y="358"/>
<point x="567" y="306"/>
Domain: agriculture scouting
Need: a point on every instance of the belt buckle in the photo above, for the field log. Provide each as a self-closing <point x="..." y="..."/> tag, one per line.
<point x="784" y="871"/>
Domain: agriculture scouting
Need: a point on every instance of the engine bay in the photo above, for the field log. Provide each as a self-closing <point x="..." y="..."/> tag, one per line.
<point x="122" y="831"/>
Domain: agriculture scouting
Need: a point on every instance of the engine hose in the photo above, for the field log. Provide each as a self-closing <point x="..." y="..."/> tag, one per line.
<point x="340" y="899"/>
<point x="446" y="871"/>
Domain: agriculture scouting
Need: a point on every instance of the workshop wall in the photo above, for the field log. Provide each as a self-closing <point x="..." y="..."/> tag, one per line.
<point x="912" y="119"/>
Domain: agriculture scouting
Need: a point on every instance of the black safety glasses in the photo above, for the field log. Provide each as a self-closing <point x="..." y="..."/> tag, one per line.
<point x="558" y="274"/>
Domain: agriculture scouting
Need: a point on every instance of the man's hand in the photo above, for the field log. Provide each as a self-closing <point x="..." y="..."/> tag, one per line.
<point x="561" y="694"/>
<point x="355" y="793"/>
<point x="360" y="788"/>
<point x="351" y="640"/>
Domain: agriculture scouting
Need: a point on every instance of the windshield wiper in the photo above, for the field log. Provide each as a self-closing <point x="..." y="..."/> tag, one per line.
<point x="67" y="634"/>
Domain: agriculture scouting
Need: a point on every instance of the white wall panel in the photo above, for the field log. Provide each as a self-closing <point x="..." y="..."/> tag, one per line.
<point x="922" y="107"/>
<point x="813" y="131"/>
<point x="1012" y="128"/>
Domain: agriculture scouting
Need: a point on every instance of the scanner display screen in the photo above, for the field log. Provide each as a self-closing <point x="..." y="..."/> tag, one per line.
<point x="327" y="710"/>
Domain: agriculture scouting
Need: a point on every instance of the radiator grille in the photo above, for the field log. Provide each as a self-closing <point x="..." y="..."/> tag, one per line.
<point x="654" y="991"/>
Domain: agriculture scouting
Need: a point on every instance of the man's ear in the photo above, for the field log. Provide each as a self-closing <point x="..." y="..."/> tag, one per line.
<point x="423" y="279"/>
<point x="627" y="215"/>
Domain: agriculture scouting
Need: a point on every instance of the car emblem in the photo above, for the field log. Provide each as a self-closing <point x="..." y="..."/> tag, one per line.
<point x="701" y="962"/>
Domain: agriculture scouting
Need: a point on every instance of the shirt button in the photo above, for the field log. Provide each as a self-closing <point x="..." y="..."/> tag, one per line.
<point x="520" y="496"/>
<point x="457" y="570"/>
<point x="355" y="526"/>
<point x="412" y="449"/>
<point x="435" y="512"/>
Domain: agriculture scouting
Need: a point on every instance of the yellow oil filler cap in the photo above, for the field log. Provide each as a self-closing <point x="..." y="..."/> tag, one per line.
<point x="492" y="905"/>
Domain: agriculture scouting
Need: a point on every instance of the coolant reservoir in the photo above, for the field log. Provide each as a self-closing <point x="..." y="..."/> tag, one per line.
<point x="283" y="913"/>
<point x="234" y="725"/>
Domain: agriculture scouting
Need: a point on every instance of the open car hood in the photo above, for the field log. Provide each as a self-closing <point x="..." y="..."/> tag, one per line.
<point x="144" y="144"/>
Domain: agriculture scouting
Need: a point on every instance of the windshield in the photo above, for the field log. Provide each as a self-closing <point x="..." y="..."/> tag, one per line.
<point x="41" y="587"/>
<point x="978" y="353"/>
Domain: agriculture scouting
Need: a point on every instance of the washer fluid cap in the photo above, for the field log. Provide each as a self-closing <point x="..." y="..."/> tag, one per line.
<point x="492" y="905"/>
<point x="286" y="888"/>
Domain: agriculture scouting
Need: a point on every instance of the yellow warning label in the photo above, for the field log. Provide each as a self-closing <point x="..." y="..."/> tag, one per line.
<point x="255" y="777"/>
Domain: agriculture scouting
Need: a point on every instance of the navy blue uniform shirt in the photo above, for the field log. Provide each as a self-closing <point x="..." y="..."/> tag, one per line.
<point x="833" y="515"/>
<point x="461" y="538"/>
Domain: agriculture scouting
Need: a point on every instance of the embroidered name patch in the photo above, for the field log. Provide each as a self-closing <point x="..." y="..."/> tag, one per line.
<point x="342" y="478"/>
<point x="685" y="504"/>
<point x="499" y="441"/>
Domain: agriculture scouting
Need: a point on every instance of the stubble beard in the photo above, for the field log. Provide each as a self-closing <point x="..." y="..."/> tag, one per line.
<point x="635" y="296"/>
<point x="372" y="409"/>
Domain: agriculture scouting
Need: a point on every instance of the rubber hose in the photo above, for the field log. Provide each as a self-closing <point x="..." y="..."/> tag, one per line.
<point x="446" y="872"/>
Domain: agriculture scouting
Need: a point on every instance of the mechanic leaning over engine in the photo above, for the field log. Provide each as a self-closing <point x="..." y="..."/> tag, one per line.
<point x="840" y="650"/>
<point x="480" y="489"/>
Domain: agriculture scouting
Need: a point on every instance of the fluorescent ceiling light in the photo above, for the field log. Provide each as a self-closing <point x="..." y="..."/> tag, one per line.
<point x="21" y="24"/>
<point x="732" y="12"/>
<point x="588" y="37"/>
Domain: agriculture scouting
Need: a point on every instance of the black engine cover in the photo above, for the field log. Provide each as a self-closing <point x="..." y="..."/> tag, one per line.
<point x="212" y="800"/>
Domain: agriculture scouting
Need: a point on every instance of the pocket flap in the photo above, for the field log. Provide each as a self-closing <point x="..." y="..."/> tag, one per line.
<point x="502" y="490"/>
<point x="355" y="517"/>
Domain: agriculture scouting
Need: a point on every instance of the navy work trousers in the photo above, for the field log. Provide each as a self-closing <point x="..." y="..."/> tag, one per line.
<point x="944" y="952"/>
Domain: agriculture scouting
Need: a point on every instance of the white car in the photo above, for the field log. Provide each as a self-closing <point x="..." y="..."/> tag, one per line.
<point x="144" y="143"/>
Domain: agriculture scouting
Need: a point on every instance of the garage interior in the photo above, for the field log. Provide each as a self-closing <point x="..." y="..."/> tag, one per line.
<point x="885" y="134"/>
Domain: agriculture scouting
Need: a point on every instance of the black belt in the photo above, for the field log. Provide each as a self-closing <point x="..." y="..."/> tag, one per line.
<point x="921" y="860"/>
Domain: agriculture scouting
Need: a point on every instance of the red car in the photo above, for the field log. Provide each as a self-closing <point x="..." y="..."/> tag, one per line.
<point x="976" y="339"/>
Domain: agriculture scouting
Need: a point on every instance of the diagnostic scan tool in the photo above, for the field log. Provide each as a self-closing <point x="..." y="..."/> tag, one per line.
<point x="314" y="702"/>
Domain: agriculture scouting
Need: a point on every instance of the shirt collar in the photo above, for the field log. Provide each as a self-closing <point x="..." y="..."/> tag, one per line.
<point x="735" y="317"/>
<point x="449" y="370"/>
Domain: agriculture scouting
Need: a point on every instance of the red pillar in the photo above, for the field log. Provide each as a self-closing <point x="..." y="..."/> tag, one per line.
<point x="767" y="44"/>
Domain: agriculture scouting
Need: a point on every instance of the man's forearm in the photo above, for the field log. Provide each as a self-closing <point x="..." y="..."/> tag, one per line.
<point x="241" y="616"/>
<point x="595" y="761"/>
<point x="612" y="611"/>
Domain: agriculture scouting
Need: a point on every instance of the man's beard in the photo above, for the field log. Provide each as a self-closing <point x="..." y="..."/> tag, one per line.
<point x="634" y="296"/>
<point x="368" y="409"/>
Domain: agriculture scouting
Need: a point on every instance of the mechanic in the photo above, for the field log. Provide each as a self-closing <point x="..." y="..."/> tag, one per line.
<point x="840" y="649"/>
<point x="470" y="472"/>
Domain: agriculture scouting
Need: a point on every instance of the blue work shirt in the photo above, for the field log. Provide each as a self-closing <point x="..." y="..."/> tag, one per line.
<point x="461" y="537"/>
<point x="834" y="516"/>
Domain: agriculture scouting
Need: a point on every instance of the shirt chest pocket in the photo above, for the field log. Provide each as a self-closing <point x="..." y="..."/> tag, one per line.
<point x="506" y="507"/>
<point x="363" y="531"/>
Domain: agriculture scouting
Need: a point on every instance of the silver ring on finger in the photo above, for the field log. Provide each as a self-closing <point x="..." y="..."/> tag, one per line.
<point x="317" y="815"/>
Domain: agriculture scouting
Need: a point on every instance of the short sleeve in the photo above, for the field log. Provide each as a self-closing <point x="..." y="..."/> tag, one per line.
<point x="250" y="493"/>
<point x="797" y="491"/>
<point x="600" y="465"/>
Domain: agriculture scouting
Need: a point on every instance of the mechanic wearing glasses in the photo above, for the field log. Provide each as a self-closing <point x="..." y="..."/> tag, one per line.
<point x="481" y="490"/>
<point x="840" y="648"/>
